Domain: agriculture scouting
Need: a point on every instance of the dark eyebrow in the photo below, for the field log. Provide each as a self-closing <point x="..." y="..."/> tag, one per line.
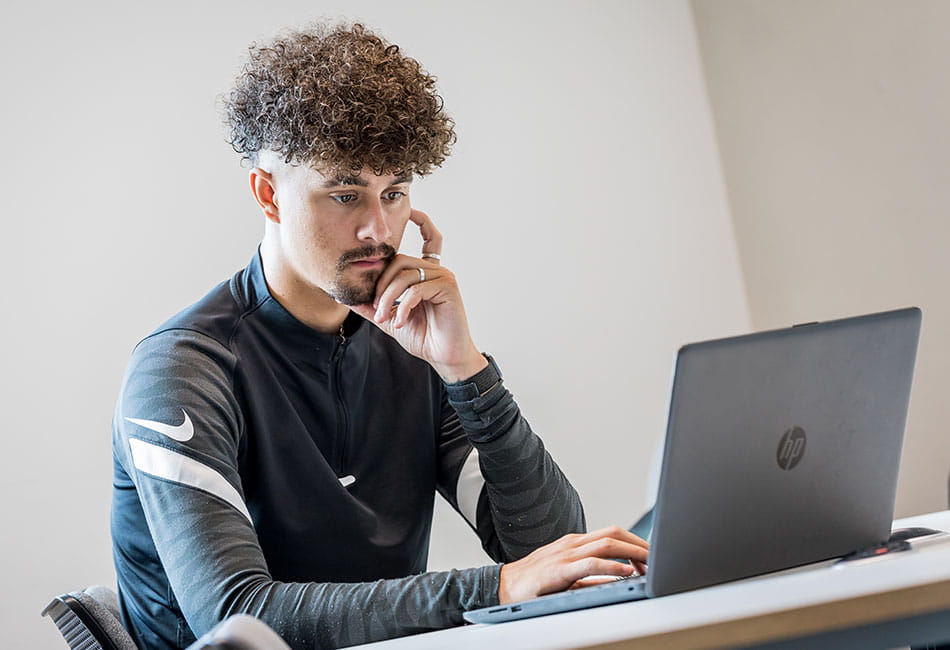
<point x="359" y="182"/>
<point x="345" y="180"/>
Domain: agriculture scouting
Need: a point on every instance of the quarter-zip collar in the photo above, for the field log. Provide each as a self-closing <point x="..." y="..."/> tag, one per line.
<point x="250" y="288"/>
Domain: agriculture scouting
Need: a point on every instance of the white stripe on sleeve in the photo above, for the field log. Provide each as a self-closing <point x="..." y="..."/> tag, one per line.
<point x="469" y="487"/>
<point x="167" y="464"/>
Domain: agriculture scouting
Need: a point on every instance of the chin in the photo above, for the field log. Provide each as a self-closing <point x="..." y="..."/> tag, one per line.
<point x="351" y="301"/>
<point x="351" y="294"/>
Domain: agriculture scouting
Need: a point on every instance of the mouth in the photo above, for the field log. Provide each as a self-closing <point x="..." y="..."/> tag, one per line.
<point x="370" y="263"/>
<point x="368" y="258"/>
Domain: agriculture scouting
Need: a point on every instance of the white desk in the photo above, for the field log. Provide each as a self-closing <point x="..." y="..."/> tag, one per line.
<point x="897" y="599"/>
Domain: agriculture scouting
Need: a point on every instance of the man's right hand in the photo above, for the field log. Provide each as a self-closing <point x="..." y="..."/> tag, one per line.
<point x="560" y="564"/>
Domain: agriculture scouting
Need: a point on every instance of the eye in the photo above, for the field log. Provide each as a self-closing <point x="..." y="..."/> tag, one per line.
<point x="344" y="198"/>
<point x="395" y="195"/>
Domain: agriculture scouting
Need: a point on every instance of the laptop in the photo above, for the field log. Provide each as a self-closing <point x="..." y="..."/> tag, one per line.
<point x="782" y="449"/>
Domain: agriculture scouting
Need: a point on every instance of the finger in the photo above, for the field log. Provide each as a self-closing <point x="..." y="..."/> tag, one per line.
<point x="615" y="532"/>
<point x="591" y="582"/>
<point x="398" y="265"/>
<point x="610" y="548"/>
<point x="592" y="566"/>
<point x="411" y="299"/>
<point x="431" y="237"/>
<point x="433" y="292"/>
<point x="395" y="292"/>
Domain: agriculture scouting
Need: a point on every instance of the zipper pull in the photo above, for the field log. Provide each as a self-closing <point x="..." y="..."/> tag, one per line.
<point x="341" y="346"/>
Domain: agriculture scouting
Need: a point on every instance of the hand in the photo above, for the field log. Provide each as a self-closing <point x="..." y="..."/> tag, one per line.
<point x="564" y="563"/>
<point x="429" y="321"/>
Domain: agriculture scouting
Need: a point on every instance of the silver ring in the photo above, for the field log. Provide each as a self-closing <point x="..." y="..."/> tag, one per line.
<point x="422" y="274"/>
<point x="432" y="256"/>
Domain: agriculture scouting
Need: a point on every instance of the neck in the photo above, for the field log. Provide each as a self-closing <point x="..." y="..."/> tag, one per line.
<point x="305" y="302"/>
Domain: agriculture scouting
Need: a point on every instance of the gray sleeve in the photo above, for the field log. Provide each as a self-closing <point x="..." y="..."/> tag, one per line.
<point x="187" y="480"/>
<point x="496" y="472"/>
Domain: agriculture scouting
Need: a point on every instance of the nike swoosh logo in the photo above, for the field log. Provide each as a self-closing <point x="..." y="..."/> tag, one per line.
<point x="182" y="432"/>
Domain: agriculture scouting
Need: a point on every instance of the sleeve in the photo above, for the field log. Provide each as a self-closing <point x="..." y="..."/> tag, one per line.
<point x="177" y="435"/>
<point x="496" y="472"/>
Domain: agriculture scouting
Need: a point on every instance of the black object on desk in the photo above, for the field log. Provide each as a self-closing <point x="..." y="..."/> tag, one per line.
<point x="898" y="541"/>
<point x="913" y="533"/>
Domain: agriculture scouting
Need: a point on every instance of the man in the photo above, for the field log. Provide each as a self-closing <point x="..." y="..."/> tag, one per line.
<point x="279" y="443"/>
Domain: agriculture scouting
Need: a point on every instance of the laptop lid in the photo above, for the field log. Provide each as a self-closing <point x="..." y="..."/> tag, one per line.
<point x="782" y="448"/>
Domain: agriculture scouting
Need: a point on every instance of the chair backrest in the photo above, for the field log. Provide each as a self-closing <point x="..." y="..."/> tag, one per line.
<point x="89" y="619"/>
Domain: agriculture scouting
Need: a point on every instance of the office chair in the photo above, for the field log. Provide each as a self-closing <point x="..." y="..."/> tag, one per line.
<point x="90" y="620"/>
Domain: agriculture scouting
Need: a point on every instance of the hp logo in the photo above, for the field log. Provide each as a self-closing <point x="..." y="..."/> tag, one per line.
<point x="791" y="448"/>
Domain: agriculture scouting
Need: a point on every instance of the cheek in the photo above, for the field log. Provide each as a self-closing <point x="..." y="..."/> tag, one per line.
<point x="324" y="251"/>
<point x="313" y="246"/>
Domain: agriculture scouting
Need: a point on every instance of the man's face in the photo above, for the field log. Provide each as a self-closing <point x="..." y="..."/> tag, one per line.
<point x="337" y="233"/>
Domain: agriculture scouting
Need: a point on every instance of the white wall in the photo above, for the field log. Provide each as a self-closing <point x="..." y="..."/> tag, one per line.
<point x="832" y="118"/>
<point x="584" y="214"/>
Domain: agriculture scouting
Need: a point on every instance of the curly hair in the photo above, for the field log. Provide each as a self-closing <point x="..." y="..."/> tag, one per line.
<point x="338" y="98"/>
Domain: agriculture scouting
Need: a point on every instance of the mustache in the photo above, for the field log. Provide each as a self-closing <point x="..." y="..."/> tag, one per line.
<point x="383" y="250"/>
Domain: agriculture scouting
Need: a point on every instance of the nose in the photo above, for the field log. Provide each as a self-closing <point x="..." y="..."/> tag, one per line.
<point x="374" y="225"/>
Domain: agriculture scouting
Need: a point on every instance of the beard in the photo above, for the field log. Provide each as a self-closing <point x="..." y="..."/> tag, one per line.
<point x="362" y="289"/>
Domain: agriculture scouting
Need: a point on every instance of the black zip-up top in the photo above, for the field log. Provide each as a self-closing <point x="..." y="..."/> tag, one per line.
<point x="267" y="468"/>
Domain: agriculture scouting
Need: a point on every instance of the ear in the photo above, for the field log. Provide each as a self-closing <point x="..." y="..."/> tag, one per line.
<point x="265" y="193"/>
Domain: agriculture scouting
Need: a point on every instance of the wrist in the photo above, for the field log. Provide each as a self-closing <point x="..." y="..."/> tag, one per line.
<point x="464" y="370"/>
<point x="504" y="596"/>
